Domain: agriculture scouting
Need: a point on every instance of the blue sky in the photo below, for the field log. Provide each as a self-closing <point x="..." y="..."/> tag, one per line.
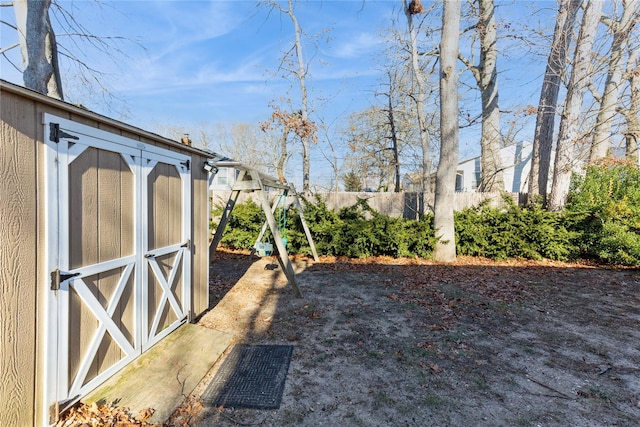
<point x="217" y="61"/>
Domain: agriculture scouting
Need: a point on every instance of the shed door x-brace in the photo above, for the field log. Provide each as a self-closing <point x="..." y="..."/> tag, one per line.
<point x="118" y="233"/>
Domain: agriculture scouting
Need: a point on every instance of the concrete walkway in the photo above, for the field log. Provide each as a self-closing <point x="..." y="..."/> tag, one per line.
<point x="162" y="377"/>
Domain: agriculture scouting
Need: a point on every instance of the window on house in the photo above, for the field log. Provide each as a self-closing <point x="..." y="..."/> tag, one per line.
<point x="460" y="181"/>
<point x="221" y="177"/>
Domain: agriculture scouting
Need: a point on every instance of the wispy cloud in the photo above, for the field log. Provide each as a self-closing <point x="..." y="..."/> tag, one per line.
<point x="356" y="46"/>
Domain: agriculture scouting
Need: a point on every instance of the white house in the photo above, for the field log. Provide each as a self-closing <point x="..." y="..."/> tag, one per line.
<point x="516" y="161"/>
<point x="224" y="179"/>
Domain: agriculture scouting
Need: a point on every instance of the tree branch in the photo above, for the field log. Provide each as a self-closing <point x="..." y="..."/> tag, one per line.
<point x="9" y="25"/>
<point x="2" y="51"/>
<point x="594" y="92"/>
<point x="474" y="69"/>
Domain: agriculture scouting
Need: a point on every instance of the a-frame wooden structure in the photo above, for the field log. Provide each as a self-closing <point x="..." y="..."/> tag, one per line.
<point x="250" y="180"/>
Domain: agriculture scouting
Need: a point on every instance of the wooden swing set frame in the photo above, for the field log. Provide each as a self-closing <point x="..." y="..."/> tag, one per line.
<point x="250" y="180"/>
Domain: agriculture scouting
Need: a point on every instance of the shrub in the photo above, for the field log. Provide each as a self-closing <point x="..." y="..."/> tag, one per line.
<point x="355" y="231"/>
<point x="244" y="225"/>
<point x="530" y="232"/>
<point x="603" y="208"/>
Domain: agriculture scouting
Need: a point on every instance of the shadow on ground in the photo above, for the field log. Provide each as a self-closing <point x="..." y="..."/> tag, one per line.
<point x="488" y="344"/>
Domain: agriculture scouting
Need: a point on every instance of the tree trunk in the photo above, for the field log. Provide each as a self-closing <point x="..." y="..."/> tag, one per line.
<point x="632" y="133"/>
<point x="38" y="47"/>
<point x="394" y="137"/>
<point x="582" y="65"/>
<point x="609" y="101"/>
<point x="302" y="79"/>
<point x="545" y="119"/>
<point x="491" y="139"/>
<point x="419" y="97"/>
<point x="445" y="249"/>
<point x="284" y="155"/>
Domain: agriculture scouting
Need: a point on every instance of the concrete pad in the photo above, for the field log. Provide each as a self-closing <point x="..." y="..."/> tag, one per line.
<point x="163" y="376"/>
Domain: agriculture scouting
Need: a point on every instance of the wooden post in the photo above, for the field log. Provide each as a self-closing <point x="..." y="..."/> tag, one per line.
<point x="282" y="250"/>
<point x="266" y="224"/>
<point x="304" y="225"/>
<point x="225" y="218"/>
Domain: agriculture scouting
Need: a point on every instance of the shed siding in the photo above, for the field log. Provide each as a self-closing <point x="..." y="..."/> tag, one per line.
<point x="18" y="260"/>
<point x="200" y="224"/>
<point x="23" y="275"/>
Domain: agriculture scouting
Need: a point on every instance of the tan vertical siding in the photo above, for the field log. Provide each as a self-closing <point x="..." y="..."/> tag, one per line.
<point x="18" y="260"/>
<point x="83" y="250"/>
<point x="200" y="226"/>
<point x="109" y="242"/>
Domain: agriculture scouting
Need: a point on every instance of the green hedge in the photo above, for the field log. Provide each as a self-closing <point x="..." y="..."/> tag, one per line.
<point x="603" y="209"/>
<point x="601" y="221"/>
<point x="356" y="231"/>
<point x="530" y="232"/>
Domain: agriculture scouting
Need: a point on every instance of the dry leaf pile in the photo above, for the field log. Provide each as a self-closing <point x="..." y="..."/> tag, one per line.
<point x="94" y="415"/>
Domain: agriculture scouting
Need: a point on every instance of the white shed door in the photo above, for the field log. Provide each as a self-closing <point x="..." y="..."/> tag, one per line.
<point x="118" y="240"/>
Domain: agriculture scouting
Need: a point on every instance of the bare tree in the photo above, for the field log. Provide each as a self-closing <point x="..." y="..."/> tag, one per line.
<point x="392" y="124"/>
<point x="445" y="249"/>
<point x="486" y="76"/>
<point x="371" y="157"/>
<point x="291" y="123"/>
<point x="568" y="133"/>
<point x="621" y="29"/>
<point x="38" y="47"/>
<point x="45" y="51"/>
<point x="300" y="72"/>
<point x="545" y="119"/>
<point x="419" y="94"/>
<point x="331" y="155"/>
<point x="631" y="112"/>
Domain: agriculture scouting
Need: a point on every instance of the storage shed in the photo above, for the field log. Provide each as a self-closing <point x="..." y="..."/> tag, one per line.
<point x="103" y="249"/>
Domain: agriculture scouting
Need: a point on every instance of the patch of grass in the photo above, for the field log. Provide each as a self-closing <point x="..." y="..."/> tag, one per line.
<point x="292" y="418"/>
<point x="596" y="393"/>
<point x="480" y="382"/>
<point x="433" y="400"/>
<point x="414" y="354"/>
<point x="452" y="292"/>
<point x="349" y="313"/>
<point x="452" y="335"/>
<point x="322" y="357"/>
<point x="501" y="307"/>
<point x="376" y="355"/>
<point x="522" y="422"/>
<point x="382" y="399"/>
<point x="329" y="342"/>
<point x="354" y="419"/>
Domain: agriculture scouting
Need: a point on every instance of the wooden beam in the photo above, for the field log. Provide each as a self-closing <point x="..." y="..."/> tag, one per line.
<point x="304" y="225"/>
<point x="282" y="250"/>
<point x="246" y="186"/>
<point x="233" y="198"/>
<point x="264" y="226"/>
<point x="266" y="180"/>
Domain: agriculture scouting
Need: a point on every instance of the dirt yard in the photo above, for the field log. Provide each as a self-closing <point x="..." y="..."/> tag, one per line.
<point x="383" y="342"/>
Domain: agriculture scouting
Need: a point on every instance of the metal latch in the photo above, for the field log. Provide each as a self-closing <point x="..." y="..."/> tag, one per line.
<point x="186" y="164"/>
<point x="55" y="133"/>
<point x="57" y="277"/>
